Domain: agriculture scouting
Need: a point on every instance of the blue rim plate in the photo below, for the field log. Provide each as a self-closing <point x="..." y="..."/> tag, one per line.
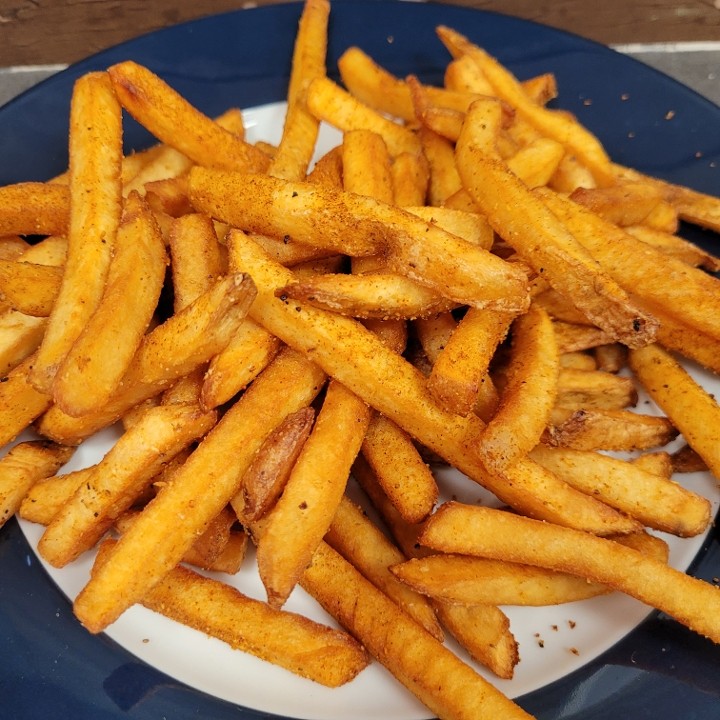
<point x="52" y="668"/>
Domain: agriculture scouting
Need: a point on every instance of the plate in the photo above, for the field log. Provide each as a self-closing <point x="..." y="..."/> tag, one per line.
<point x="55" y="669"/>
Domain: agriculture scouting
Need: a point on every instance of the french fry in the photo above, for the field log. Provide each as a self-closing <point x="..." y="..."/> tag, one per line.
<point x="213" y="471"/>
<point x="34" y="208"/>
<point x="410" y="177"/>
<point x="537" y="162"/>
<point x="294" y="527"/>
<point x="560" y="258"/>
<point x="691" y="409"/>
<point x="29" y="288"/>
<point x="444" y="179"/>
<point x="172" y="350"/>
<point x="583" y="389"/>
<point x="124" y="472"/>
<point x="675" y="246"/>
<point x="95" y="200"/>
<point x="626" y="203"/>
<point x="20" y="337"/>
<point x="573" y="337"/>
<point x="88" y="374"/>
<point x="311" y="650"/>
<point x="265" y="479"/>
<point x="449" y="687"/>
<point x="529" y="394"/>
<point x="20" y="402"/>
<point x="23" y="466"/>
<point x="475" y="530"/>
<point x="654" y="501"/>
<point x="300" y="129"/>
<point x="363" y="545"/>
<point x="686" y="459"/>
<point x="619" y="430"/>
<point x="175" y="122"/>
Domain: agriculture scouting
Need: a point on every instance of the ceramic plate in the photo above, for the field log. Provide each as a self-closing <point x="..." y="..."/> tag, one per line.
<point x="605" y="658"/>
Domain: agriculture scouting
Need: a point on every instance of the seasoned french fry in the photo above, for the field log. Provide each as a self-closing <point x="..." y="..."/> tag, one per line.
<point x="20" y="402"/>
<point x="582" y="389"/>
<point x="95" y="198"/>
<point x="691" y="409"/>
<point x="20" y="337"/>
<point x="23" y="466"/>
<point x="410" y="178"/>
<point x="311" y="650"/>
<point x="34" y="208"/>
<point x="175" y="122"/>
<point x="449" y="687"/>
<point x="476" y="530"/>
<point x="29" y="288"/>
<point x="90" y="372"/>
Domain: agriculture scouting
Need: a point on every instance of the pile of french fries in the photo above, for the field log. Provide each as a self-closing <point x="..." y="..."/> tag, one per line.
<point x="467" y="278"/>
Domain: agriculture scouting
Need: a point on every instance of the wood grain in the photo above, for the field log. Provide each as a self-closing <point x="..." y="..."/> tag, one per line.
<point x="62" y="31"/>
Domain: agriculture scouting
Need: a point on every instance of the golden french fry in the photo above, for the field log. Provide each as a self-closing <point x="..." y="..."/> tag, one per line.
<point x="687" y="460"/>
<point x="653" y="500"/>
<point x="583" y="389"/>
<point x="294" y="527"/>
<point x="573" y="337"/>
<point x="156" y="542"/>
<point x="307" y="648"/>
<point x="117" y="480"/>
<point x="92" y="369"/>
<point x="23" y="466"/>
<point x="295" y="151"/>
<point x="676" y="247"/>
<point x="412" y="655"/>
<point x="34" y="208"/>
<point x="175" y="122"/>
<point x="444" y="179"/>
<point x="95" y="192"/>
<point x="691" y="409"/>
<point x="475" y="530"/>
<point x="619" y="430"/>
<point x="536" y="163"/>
<point x="626" y="203"/>
<point x="29" y="288"/>
<point x="20" y="402"/>
<point x="20" y="337"/>
<point x="364" y="545"/>
<point x="529" y="394"/>
<point x="265" y="479"/>
<point x="410" y="178"/>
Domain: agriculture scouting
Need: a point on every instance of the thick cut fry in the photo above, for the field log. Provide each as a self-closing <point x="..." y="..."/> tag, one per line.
<point x="619" y="430"/>
<point x="22" y="467"/>
<point x="460" y="369"/>
<point x="157" y="542"/>
<point x="404" y="476"/>
<point x="389" y="383"/>
<point x="29" y="288"/>
<point x="94" y="366"/>
<point x="410" y="178"/>
<point x="654" y="501"/>
<point x="540" y="238"/>
<point x="302" y="515"/>
<point x="627" y="203"/>
<point x="307" y="648"/>
<point x="536" y="163"/>
<point x="120" y="477"/>
<point x="449" y="687"/>
<point x="20" y="337"/>
<point x="529" y="394"/>
<point x="574" y="337"/>
<point x="366" y="548"/>
<point x="444" y="179"/>
<point x="687" y="460"/>
<point x="691" y="409"/>
<point x="558" y="125"/>
<point x="582" y="389"/>
<point x="265" y="479"/>
<point x="171" y="351"/>
<point x="474" y="530"/>
<point x="676" y="247"/>
<point x="34" y="208"/>
<point x="357" y="225"/>
<point x="175" y="122"/>
<point x="20" y="402"/>
<point x="300" y="129"/>
<point x="95" y="199"/>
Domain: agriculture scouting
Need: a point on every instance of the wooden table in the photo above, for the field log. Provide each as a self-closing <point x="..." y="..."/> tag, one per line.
<point x="62" y="31"/>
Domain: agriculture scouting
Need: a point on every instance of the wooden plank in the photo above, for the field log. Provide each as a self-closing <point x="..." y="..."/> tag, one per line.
<point x="63" y="31"/>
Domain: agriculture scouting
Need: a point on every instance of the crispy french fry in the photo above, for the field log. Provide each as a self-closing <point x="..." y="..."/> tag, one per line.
<point x="175" y="122"/>
<point x="93" y="367"/>
<point x="23" y="466"/>
<point x="657" y="503"/>
<point x="95" y="199"/>
<point x="582" y="389"/>
<point x="314" y="651"/>
<point x="475" y="530"/>
<point x="29" y="288"/>
<point x="691" y="409"/>
<point x="265" y="479"/>
<point x="20" y="402"/>
<point x="410" y="178"/>
<point x="415" y="657"/>
<point x="34" y="208"/>
<point x="20" y="337"/>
